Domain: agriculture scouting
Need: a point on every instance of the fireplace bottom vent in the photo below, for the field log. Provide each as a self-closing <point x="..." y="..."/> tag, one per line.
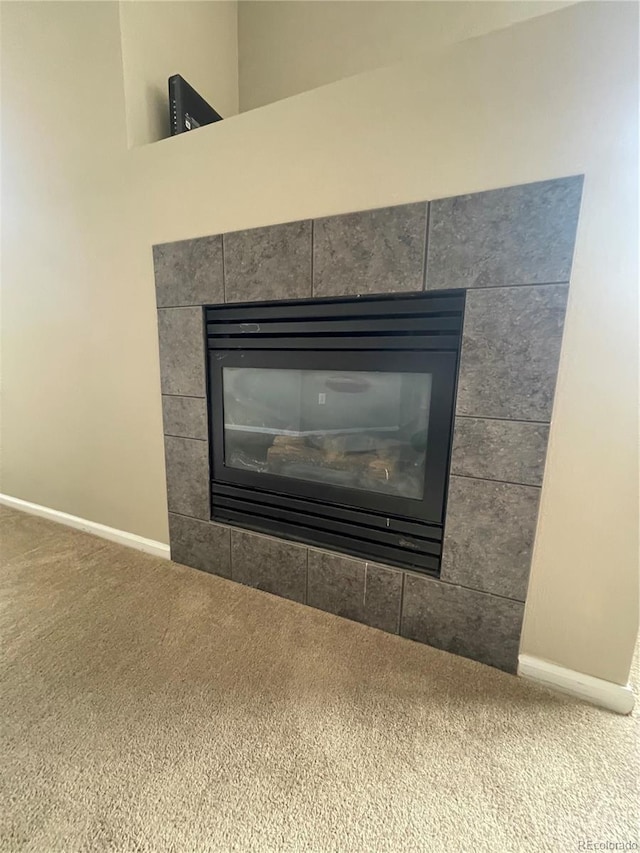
<point x="397" y="541"/>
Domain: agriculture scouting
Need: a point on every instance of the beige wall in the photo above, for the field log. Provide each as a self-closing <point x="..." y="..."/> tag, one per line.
<point x="196" y="39"/>
<point x="290" y="47"/>
<point x="81" y="411"/>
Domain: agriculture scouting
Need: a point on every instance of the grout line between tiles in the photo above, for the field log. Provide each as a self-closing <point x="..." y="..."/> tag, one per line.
<point x="504" y="420"/>
<point x="404" y="575"/>
<point x="188" y="437"/>
<point x="512" y="286"/>
<point x="482" y="591"/>
<point x="193" y="517"/>
<point x="494" y="480"/>
<point x="188" y="396"/>
<point x="441" y="580"/>
<point x="178" y="307"/>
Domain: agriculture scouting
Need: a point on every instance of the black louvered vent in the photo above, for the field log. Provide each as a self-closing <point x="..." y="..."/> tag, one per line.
<point x="429" y="322"/>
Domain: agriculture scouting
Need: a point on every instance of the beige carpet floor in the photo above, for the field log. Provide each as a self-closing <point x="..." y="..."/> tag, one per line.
<point x="150" y="707"/>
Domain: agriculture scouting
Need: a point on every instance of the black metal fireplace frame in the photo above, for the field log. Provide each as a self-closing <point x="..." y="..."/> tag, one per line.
<point x="389" y="334"/>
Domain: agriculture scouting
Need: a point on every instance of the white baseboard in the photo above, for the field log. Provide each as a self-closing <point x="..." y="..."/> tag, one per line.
<point x="122" y="537"/>
<point x="606" y="694"/>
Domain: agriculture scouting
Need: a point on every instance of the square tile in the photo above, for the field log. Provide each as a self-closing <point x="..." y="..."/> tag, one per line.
<point x="269" y="263"/>
<point x="488" y="536"/>
<point x="510" y="352"/>
<point x="185" y="417"/>
<point x="189" y="272"/>
<point x="187" y="462"/>
<point x="517" y="235"/>
<point x="365" y="592"/>
<point x="375" y="251"/>
<point x="269" y="564"/>
<point x="512" y="451"/>
<point x="182" y="351"/>
<point x="336" y="584"/>
<point x="462" y="621"/>
<point x="200" y="544"/>
<point x="382" y="598"/>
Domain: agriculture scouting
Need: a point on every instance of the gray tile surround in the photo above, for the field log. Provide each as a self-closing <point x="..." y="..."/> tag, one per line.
<point x="383" y="597"/>
<point x="200" y="544"/>
<point x="512" y="451"/>
<point x="185" y="417"/>
<point x="517" y="235"/>
<point x="181" y="339"/>
<point x="268" y="263"/>
<point x="489" y="536"/>
<point x="355" y="589"/>
<point x="270" y="564"/>
<point x="508" y="246"/>
<point x="187" y="462"/>
<point x="375" y="251"/>
<point x="189" y="272"/>
<point x="463" y="621"/>
<point x="510" y="352"/>
<point x="336" y="584"/>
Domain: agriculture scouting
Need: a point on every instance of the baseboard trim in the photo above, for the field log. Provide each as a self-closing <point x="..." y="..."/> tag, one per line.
<point x="606" y="694"/>
<point x="122" y="537"/>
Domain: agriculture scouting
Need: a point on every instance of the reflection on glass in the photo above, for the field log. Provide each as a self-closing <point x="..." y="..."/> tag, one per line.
<point x="358" y="429"/>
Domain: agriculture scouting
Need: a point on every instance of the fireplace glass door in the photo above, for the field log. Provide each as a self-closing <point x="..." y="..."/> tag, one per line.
<point x="353" y="429"/>
<point x="364" y="429"/>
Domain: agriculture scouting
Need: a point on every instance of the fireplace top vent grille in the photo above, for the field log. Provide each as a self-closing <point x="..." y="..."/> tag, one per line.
<point x="422" y="322"/>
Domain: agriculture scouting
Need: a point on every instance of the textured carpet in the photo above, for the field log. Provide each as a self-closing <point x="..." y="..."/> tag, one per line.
<point x="150" y="707"/>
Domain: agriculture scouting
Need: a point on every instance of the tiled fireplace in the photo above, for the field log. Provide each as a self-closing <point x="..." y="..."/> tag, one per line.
<point x="306" y="411"/>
